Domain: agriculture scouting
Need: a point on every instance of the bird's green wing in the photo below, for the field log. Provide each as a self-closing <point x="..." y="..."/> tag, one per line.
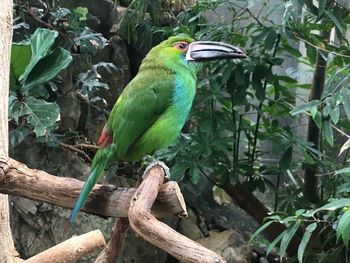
<point x="142" y="102"/>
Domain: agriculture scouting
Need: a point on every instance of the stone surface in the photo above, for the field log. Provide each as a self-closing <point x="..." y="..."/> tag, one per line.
<point x="189" y="226"/>
<point x="230" y="244"/>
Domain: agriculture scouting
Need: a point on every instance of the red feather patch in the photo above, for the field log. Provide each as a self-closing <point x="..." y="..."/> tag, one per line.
<point x="105" y="138"/>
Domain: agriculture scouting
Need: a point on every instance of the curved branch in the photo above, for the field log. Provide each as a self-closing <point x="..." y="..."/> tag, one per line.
<point x="158" y="233"/>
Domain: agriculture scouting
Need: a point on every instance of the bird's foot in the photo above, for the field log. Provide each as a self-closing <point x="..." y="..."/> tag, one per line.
<point x="154" y="163"/>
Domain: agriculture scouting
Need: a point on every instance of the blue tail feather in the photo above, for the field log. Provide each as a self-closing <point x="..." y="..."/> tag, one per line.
<point x="89" y="184"/>
<point x="98" y="165"/>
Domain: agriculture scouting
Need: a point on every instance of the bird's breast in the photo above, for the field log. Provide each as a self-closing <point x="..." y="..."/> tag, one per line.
<point x="185" y="89"/>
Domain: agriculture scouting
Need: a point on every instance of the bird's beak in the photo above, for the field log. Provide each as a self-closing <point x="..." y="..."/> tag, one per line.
<point x="210" y="50"/>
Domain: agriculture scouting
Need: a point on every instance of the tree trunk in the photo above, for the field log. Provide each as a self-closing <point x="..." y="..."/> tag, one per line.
<point x="7" y="250"/>
<point x="313" y="134"/>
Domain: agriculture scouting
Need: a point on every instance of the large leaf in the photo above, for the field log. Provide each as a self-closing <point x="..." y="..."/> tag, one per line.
<point x="321" y="6"/>
<point x="287" y="237"/>
<point x="194" y="174"/>
<point x="48" y="68"/>
<point x="328" y="131"/>
<point x="274" y="243"/>
<point x="343" y="228"/>
<point x="305" y="107"/>
<point x="20" y="57"/>
<point x="41" y="114"/>
<point x="346" y="102"/>
<point x="334" y="205"/>
<point x="338" y="24"/>
<point x="345" y="170"/>
<point x="260" y="229"/>
<point x="41" y="42"/>
<point x="345" y="146"/>
<point x="286" y="158"/>
<point x="306" y="237"/>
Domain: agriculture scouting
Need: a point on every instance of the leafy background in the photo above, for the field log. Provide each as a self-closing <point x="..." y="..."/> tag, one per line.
<point x="251" y="120"/>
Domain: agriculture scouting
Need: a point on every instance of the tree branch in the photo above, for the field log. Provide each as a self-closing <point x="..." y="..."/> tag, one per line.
<point x="105" y="200"/>
<point x="158" y="233"/>
<point x="116" y="242"/>
<point x="72" y="249"/>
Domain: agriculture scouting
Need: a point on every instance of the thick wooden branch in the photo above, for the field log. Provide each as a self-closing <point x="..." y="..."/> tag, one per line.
<point x="72" y="249"/>
<point x="116" y="242"/>
<point x="105" y="200"/>
<point x="158" y="233"/>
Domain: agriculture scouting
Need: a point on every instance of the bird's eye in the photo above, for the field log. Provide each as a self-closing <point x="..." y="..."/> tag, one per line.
<point x="181" y="46"/>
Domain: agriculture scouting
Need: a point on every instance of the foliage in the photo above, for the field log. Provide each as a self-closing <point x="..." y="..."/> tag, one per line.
<point x="243" y="106"/>
<point x="37" y="62"/>
<point x="32" y="65"/>
<point x="246" y="113"/>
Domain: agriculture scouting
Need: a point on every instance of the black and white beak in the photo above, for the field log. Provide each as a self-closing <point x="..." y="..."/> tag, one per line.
<point x="211" y="50"/>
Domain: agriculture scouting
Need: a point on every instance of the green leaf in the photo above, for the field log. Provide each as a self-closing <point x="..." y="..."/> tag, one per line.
<point x="40" y="113"/>
<point x="321" y="7"/>
<point x="177" y="171"/>
<point x="274" y="243"/>
<point x="343" y="171"/>
<point x="194" y="174"/>
<point x="306" y="237"/>
<point x="343" y="228"/>
<point x="337" y="23"/>
<point x="20" y="57"/>
<point x="48" y="68"/>
<point x="260" y="229"/>
<point x="328" y="131"/>
<point x="346" y="102"/>
<point x="81" y="12"/>
<point x="332" y="206"/>
<point x="286" y="158"/>
<point x="270" y="39"/>
<point x="345" y="146"/>
<point x="335" y="115"/>
<point x="317" y="117"/>
<point x="41" y="42"/>
<point x="286" y="79"/>
<point x="306" y="107"/>
<point x="287" y="237"/>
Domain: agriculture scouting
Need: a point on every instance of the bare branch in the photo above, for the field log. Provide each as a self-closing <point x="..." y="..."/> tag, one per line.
<point x="72" y="249"/>
<point x="158" y="233"/>
<point x="105" y="200"/>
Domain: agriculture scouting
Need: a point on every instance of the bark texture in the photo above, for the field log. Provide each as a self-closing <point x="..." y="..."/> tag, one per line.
<point x="116" y="242"/>
<point x="311" y="181"/>
<point x="158" y="233"/>
<point x="7" y="250"/>
<point x="72" y="249"/>
<point x="105" y="200"/>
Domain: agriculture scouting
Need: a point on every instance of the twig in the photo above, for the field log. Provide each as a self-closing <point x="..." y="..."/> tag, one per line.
<point x="31" y="13"/>
<point x="87" y="146"/>
<point x="74" y="149"/>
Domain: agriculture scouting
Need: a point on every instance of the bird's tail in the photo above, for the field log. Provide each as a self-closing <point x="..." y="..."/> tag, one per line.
<point x="98" y="165"/>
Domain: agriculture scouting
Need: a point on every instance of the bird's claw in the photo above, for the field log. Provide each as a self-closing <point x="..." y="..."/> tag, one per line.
<point x="154" y="163"/>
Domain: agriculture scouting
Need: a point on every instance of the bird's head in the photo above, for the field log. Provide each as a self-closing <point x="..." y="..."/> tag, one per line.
<point x="182" y="50"/>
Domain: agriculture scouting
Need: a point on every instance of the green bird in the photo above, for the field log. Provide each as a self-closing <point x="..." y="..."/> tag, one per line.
<point x="152" y="109"/>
